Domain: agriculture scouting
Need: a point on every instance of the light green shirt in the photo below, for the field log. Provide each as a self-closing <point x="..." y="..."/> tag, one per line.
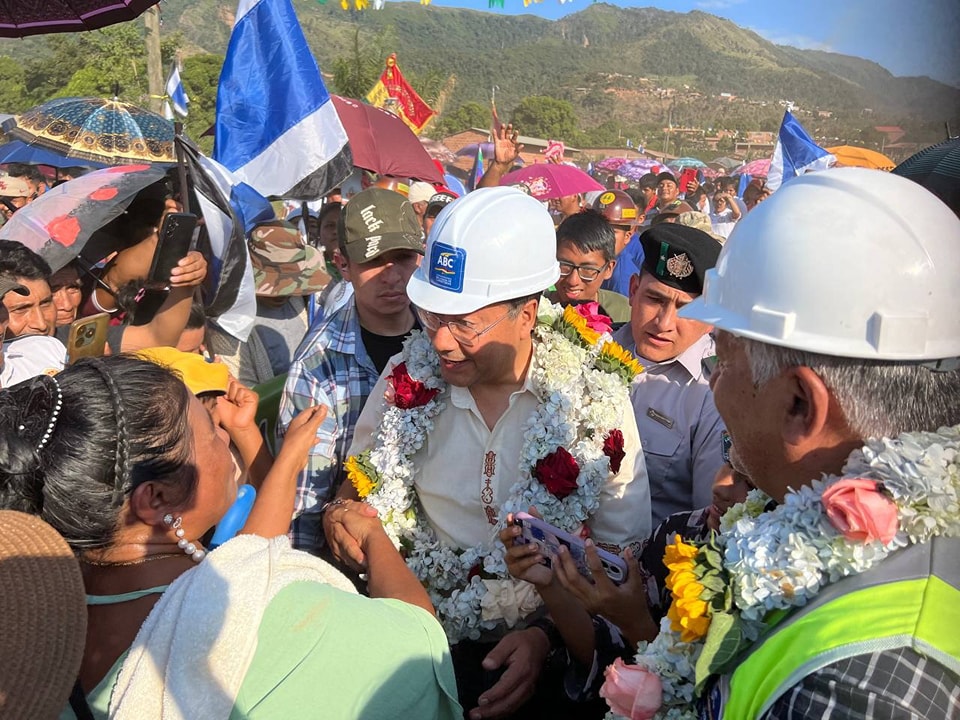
<point x="324" y="653"/>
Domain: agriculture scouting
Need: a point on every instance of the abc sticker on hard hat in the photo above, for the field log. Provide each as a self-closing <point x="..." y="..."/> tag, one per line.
<point x="607" y="198"/>
<point x="446" y="267"/>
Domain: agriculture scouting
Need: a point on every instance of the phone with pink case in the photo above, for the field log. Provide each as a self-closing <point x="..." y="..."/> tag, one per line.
<point x="550" y="539"/>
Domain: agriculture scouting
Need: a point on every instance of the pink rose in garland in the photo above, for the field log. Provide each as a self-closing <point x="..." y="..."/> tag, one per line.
<point x="558" y="472"/>
<point x="631" y="691"/>
<point x="597" y="321"/>
<point x="613" y="449"/>
<point x="861" y="513"/>
<point x="406" y="392"/>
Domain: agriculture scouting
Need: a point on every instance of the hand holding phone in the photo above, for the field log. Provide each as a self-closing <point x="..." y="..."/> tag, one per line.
<point x="175" y="240"/>
<point x="551" y="538"/>
<point x="88" y="337"/>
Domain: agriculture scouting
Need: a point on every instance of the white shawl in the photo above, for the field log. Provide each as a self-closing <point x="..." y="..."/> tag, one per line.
<point x="192" y="652"/>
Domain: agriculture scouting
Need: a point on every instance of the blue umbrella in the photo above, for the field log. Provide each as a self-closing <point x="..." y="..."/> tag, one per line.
<point x="104" y="131"/>
<point x="455" y="184"/>
<point x="17" y="151"/>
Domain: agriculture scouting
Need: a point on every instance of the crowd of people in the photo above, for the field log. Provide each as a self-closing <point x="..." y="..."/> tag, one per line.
<point x="753" y="402"/>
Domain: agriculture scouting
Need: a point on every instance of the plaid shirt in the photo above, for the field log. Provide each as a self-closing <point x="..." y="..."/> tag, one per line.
<point x="892" y="685"/>
<point x="331" y="368"/>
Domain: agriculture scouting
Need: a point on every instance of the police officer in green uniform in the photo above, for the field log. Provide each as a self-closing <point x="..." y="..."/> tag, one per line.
<point x="835" y="310"/>
<point x="680" y="428"/>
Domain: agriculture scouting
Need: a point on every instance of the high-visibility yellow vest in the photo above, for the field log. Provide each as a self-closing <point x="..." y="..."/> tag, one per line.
<point x="910" y="600"/>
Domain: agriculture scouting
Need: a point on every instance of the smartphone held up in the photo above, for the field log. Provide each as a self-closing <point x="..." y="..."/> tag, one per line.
<point x="551" y="538"/>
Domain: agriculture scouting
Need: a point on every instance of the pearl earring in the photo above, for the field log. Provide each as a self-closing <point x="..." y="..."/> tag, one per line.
<point x="197" y="553"/>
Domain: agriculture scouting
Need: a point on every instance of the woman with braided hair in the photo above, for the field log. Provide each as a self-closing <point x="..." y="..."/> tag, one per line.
<point x="128" y="467"/>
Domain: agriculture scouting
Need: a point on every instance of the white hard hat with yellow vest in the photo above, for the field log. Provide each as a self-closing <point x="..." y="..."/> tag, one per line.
<point x="492" y="245"/>
<point x="846" y="262"/>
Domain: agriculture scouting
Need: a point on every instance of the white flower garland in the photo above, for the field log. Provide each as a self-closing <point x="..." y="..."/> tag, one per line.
<point x="781" y="559"/>
<point x="579" y="405"/>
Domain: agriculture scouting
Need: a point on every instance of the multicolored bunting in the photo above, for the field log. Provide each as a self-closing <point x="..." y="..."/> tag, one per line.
<point x="392" y="92"/>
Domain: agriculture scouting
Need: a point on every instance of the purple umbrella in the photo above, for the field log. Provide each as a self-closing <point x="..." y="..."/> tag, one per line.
<point x="471" y="149"/>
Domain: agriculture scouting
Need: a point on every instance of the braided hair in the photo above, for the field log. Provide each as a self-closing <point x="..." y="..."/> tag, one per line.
<point x="123" y="422"/>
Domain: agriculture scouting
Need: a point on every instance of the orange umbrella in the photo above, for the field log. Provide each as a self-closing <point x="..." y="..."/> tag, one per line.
<point x="851" y="156"/>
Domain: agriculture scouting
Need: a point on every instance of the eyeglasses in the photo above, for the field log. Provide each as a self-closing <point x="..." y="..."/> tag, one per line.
<point x="462" y="332"/>
<point x="19" y="201"/>
<point x="587" y="273"/>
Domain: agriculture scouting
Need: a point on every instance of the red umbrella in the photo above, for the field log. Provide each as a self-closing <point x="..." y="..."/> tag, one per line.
<point x="381" y="142"/>
<point x="20" y="19"/>
<point x="60" y="223"/>
<point x="547" y="180"/>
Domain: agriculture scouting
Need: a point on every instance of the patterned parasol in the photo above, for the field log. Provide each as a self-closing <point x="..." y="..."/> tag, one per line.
<point x="60" y="223"/>
<point x="36" y="17"/>
<point x="105" y="131"/>
<point x="755" y="168"/>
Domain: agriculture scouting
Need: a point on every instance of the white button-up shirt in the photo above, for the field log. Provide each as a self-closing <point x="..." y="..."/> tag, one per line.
<point x="465" y="471"/>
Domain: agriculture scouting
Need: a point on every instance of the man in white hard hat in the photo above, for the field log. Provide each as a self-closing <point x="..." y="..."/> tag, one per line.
<point x="836" y="308"/>
<point x="463" y="428"/>
<point x="683" y="436"/>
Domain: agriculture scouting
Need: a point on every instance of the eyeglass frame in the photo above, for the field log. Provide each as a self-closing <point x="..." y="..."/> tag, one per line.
<point x="421" y="313"/>
<point x="578" y="268"/>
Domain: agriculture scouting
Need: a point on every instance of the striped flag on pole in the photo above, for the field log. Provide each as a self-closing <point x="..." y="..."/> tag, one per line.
<point x="176" y="100"/>
<point x="795" y="153"/>
<point x="276" y="129"/>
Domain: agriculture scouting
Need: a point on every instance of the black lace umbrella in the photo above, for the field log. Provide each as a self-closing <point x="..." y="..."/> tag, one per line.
<point x="20" y="18"/>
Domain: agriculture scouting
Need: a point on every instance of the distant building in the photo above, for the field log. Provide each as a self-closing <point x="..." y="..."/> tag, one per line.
<point x="893" y="133"/>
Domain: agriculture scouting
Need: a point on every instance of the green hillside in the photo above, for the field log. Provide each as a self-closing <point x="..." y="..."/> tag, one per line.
<point x="611" y="64"/>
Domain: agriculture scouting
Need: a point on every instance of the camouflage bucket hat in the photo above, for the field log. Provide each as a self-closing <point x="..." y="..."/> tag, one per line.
<point x="283" y="264"/>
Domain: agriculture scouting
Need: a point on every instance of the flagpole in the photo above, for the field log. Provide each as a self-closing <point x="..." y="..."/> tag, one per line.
<point x="181" y="166"/>
<point x="151" y="19"/>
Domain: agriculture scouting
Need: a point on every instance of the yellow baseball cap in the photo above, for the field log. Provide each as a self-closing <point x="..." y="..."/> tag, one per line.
<point x="197" y="374"/>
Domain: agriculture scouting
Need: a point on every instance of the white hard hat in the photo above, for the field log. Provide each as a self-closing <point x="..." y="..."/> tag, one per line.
<point x="491" y="245"/>
<point x="846" y="262"/>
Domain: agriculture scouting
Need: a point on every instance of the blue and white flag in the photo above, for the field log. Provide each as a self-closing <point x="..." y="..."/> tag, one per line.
<point x="795" y="153"/>
<point x="230" y="299"/>
<point x="276" y="128"/>
<point x="176" y="99"/>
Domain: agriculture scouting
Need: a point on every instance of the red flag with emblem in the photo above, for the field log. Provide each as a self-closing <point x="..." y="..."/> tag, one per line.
<point x="409" y="106"/>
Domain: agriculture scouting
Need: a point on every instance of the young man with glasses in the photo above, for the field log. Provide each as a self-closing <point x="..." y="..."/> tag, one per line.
<point x="488" y="258"/>
<point x="586" y="252"/>
<point x="338" y="363"/>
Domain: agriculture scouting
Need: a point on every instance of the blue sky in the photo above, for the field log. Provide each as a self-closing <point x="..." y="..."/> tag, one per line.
<point x="908" y="37"/>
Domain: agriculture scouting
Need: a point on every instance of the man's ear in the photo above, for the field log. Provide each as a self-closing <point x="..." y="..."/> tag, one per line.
<point x="609" y="271"/>
<point x="808" y="414"/>
<point x="634" y="285"/>
<point x="342" y="264"/>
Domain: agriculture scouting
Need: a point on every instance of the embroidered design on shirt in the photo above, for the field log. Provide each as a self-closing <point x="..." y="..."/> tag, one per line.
<point x="486" y="494"/>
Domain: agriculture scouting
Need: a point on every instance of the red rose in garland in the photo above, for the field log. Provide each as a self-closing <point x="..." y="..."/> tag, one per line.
<point x="407" y="392"/>
<point x="613" y="449"/>
<point x="558" y="472"/>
